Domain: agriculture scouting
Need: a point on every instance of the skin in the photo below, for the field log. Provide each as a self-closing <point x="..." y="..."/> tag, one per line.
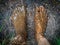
<point x="19" y="22"/>
<point x="40" y="25"/>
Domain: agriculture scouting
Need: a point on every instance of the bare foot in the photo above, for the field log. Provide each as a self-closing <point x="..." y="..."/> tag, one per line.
<point x="18" y="19"/>
<point x="40" y="25"/>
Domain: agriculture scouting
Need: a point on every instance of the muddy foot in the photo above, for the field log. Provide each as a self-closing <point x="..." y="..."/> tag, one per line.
<point x="40" y="25"/>
<point x="18" y="19"/>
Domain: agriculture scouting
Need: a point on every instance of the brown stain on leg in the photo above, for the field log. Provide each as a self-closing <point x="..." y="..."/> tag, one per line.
<point x="40" y="25"/>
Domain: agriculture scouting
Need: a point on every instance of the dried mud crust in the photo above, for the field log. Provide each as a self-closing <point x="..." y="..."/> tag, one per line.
<point x="19" y="22"/>
<point x="40" y="25"/>
<point x="18" y="40"/>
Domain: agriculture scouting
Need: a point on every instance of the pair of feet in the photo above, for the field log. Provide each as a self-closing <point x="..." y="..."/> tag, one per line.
<point x="19" y="21"/>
